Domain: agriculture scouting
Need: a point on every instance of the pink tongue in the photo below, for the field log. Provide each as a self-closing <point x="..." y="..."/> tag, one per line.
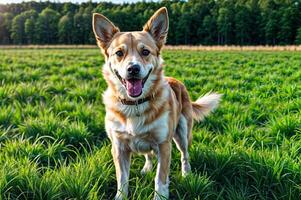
<point x="134" y="87"/>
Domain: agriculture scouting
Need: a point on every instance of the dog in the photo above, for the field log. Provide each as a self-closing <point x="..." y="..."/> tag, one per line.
<point x="145" y="110"/>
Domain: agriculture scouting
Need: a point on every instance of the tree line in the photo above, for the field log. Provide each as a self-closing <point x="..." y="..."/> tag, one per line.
<point x="193" y="22"/>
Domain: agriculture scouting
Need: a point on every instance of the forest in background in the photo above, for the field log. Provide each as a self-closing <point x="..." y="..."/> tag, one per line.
<point x="192" y="22"/>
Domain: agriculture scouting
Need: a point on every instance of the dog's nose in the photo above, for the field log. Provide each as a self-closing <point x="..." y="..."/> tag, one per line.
<point x="134" y="69"/>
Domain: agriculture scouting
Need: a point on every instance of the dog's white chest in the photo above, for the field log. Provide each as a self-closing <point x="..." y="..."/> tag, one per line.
<point x="137" y="132"/>
<point x="133" y="126"/>
<point x="136" y="126"/>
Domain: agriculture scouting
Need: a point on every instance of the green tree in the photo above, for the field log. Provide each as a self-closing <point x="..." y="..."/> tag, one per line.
<point x="242" y="25"/>
<point x="271" y="28"/>
<point x="47" y="26"/>
<point x="174" y="14"/>
<point x="208" y="30"/>
<point x="285" y="35"/>
<point x="30" y="30"/>
<point x="225" y="25"/>
<point x="79" y="27"/>
<point x="8" y="20"/>
<point x="18" y="33"/>
<point x="89" y="37"/>
<point x="65" y="28"/>
<point x="69" y="8"/>
<point x="183" y="26"/>
<point x="298" y="38"/>
<point x="3" y="30"/>
<point x="255" y="22"/>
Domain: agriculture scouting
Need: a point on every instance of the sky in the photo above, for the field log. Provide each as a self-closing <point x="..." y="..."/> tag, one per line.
<point x="74" y="1"/>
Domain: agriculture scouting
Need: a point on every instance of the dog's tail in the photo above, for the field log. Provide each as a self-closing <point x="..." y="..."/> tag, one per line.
<point x="204" y="105"/>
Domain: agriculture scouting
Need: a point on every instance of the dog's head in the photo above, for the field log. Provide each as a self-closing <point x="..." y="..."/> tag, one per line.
<point x="132" y="58"/>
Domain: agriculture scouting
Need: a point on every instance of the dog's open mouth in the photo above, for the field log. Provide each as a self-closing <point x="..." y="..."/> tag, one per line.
<point x="133" y="86"/>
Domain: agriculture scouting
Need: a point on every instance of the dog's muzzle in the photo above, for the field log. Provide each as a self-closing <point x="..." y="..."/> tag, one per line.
<point x="133" y="85"/>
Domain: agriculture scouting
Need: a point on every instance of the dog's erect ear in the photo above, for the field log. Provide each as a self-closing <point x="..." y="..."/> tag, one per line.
<point x="104" y="30"/>
<point x="157" y="26"/>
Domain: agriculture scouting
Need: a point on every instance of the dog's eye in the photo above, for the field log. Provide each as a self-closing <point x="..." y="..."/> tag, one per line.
<point x="119" y="53"/>
<point x="145" y="52"/>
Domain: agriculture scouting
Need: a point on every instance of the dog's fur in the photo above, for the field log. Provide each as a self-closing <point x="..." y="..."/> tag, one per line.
<point x="166" y="112"/>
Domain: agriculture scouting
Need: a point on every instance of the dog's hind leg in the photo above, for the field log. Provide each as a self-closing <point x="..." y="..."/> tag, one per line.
<point x="181" y="140"/>
<point x="148" y="165"/>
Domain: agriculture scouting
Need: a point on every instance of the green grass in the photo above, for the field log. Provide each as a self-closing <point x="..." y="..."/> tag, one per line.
<point x="53" y="143"/>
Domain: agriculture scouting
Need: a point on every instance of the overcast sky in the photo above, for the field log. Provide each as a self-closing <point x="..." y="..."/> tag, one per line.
<point x="74" y="1"/>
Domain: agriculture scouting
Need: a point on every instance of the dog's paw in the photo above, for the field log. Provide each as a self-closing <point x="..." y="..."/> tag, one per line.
<point x="160" y="197"/>
<point x="148" y="166"/>
<point x="119" y="196"/>
<point x="186" y="169"/>
<point x="161" y="190"/>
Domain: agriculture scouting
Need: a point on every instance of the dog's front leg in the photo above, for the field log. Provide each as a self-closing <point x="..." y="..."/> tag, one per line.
<point x="122" y="159"/>
<point x="162" y="176"/>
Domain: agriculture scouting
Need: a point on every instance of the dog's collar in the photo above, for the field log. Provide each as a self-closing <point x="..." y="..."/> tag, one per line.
<point x="137" y="102"/>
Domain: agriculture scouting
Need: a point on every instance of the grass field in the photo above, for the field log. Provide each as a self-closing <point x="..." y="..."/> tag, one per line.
<point x="53" y="144"/>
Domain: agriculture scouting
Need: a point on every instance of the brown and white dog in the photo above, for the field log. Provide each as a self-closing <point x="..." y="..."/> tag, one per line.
<point x="145" y="110"/>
